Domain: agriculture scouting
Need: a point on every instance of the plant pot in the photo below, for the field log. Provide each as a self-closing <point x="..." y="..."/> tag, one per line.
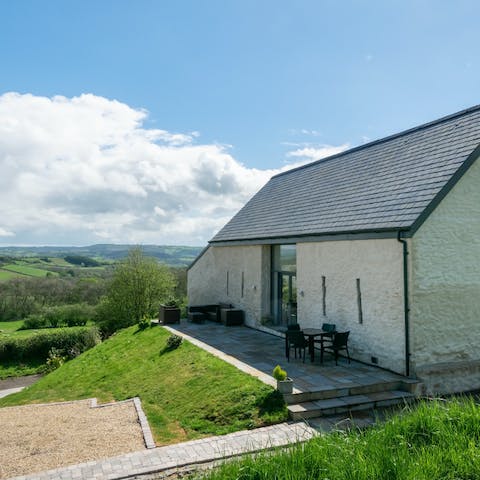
<point x="168" y="315"/>
<point x="285" y="386"/>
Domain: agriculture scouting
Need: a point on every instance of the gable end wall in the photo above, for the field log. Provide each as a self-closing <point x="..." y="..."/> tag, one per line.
<point x="445" y="291"/>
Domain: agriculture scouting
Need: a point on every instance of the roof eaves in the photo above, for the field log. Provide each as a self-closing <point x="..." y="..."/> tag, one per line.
<point x="366" y="234"/>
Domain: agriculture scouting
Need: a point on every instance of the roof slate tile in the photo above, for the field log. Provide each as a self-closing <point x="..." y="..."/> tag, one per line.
<point x="386" y="184"/>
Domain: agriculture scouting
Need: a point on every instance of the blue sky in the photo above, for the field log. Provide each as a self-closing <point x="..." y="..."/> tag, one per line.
<point x="260" y="81"/>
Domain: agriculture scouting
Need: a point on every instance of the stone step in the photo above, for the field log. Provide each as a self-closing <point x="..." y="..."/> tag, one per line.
<point x="326" y="393"/>
<point x="333" y="406"/>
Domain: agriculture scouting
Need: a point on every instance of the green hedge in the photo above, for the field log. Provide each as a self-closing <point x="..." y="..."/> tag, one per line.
<point x="71" y="342"/>
<point x="75" y="315"/>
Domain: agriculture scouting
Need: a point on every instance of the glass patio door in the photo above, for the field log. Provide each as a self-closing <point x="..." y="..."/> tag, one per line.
<point x="287" y="302"/>
<point x="284" y="282"/>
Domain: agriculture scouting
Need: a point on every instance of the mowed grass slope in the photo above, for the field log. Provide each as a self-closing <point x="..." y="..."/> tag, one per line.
<point x="186" y="393"/>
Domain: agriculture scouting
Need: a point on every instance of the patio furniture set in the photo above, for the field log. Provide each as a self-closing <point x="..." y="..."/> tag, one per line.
<point x="329" y="339"/>
<point x="221" y="313"/>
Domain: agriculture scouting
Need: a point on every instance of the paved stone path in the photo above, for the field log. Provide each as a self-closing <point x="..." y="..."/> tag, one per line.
<point x="9" y="391"/>
<point x="181" y="455"/>
<point x="16" y="384"/>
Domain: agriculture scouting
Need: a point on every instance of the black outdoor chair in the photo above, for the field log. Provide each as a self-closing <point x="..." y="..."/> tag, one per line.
<point x="339" y="342"/>
<point x="296" y="340"/>
<point x="326" y="339"/>
<point x="329" y="327"/>
<point x="293" y="326"/>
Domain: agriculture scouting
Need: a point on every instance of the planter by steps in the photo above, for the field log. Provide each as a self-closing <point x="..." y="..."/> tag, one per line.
<point x="168" y="315"/>
<point x="285" y="386"/>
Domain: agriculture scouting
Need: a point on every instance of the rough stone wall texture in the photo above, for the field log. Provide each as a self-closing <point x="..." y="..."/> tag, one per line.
<point x="445" y="286"/>
<point x="378" y="265"/>
<point x="207" y="279"/>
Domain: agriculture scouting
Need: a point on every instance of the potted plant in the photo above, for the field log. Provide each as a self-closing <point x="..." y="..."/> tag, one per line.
<point x="284" y="383"/>
<point x="169" y="312"/>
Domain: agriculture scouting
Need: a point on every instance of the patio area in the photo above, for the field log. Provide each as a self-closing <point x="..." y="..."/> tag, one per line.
<point x="322" y="388"/>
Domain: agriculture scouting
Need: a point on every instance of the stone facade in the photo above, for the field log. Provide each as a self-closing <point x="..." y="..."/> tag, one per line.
<point x="236" y="275"/>
<point x="445" y="286"/>
<point x="378" y="266"/>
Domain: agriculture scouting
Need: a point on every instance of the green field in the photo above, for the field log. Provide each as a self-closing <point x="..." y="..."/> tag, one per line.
<point x="9" y="329"/>
<point x="186" y="393"/>
<point x="6" y="275"/>
<point x="27" y="270"/>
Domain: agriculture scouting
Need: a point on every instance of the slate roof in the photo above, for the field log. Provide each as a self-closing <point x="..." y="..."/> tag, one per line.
<point x="387" y="185"/>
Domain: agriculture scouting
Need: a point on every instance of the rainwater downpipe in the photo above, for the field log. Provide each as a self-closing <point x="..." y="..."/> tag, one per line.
<point x="406" y="305"/>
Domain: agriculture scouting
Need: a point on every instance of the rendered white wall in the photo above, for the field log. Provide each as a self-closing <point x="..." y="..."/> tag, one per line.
<point x="378" y="265"/>
<point x="445" y="281"/>
<point x="207" y="279"/>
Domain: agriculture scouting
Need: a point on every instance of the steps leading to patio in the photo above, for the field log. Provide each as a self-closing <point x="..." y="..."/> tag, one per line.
<point x="328" y="401"/>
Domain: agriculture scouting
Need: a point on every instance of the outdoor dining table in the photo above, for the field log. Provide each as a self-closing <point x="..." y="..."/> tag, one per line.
<point x="311" y="334"/>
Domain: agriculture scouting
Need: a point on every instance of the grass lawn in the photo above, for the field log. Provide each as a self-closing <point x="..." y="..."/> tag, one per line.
<point x="186" y="393"/>
<point x="10" y="328"/>
<point x="27" y="270"/>
<point x="433" y="441"/>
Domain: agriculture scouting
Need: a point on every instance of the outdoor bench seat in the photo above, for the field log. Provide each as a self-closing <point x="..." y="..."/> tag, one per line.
<point x="211" y="311"/>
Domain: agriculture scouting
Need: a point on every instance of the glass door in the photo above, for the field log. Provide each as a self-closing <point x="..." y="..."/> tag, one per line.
<point x="284" y="281"/>
<point x="288" y="298"/>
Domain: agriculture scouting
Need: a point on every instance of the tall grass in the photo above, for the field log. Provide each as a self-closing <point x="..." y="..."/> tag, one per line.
<point x="434" y="440"/>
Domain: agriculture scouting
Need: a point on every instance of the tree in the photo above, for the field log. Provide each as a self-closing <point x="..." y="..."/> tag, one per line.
<point x="138" y="286"/>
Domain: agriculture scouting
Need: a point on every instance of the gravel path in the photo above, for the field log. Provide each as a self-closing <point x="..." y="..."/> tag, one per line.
<point x="41" y="437"/>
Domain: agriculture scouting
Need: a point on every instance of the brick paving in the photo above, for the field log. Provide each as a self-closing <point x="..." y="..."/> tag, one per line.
<point x="163" y="459"/>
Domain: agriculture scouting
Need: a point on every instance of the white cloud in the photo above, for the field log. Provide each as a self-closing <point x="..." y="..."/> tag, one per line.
<point x="6" y="233"/>
<point x="309" y="154"/>
<point x="86" y="169"/>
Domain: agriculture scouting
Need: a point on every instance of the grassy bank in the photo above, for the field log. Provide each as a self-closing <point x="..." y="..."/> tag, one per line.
<point x="435" y="440"/>
<point x="186" y="393"/>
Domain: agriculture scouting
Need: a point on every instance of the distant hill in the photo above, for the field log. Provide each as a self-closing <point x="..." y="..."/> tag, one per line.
<point x="173" y="255"/>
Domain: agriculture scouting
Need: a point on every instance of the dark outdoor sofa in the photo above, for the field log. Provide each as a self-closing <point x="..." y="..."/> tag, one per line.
<point x="210" y="312"/>
<point x="220" y="312"/>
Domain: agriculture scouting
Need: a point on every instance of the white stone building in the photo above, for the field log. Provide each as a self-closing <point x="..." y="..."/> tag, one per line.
<point x="383" y="240"/>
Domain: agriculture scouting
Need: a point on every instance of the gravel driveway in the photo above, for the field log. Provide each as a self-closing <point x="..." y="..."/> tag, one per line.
<point x="41" y="437"/>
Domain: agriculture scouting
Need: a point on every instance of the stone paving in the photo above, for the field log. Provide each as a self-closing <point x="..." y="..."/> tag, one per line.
<point x="257" y="353"/>
<point x="181" y="455"/>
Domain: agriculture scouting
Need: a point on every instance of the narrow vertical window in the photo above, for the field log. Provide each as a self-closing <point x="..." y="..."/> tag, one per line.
<point x="227" y="283"/>
<point x="324" y="296"/>
<point x="359" y="302"/>
<point x="243" y="283"/>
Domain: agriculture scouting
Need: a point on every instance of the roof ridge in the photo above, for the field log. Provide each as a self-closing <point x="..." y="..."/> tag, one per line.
<point x="384" y="139"/>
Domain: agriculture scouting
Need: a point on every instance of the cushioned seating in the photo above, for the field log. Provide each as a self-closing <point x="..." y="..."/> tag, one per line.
<point x="211" y="311"/>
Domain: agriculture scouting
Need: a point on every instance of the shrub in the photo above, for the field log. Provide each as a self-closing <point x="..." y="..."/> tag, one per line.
<point x="37" y="347"/>
<point x="279" y="374"/>
<point x="35" y="320"/>
<point x="173" y="342"/>
<point x="55" y="360"/>
<point x="144" y="323"/>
